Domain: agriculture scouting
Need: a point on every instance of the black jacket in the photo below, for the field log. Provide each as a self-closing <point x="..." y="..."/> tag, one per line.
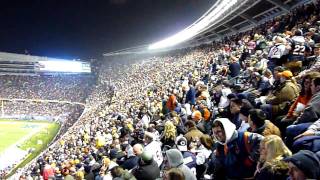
<point x="148" y="171"/>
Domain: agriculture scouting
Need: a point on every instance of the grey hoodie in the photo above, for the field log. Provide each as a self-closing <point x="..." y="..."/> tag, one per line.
<point x="175" y="160"/>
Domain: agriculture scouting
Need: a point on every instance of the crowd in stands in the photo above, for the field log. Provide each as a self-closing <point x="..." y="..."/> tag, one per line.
<point x="73" y="88"/>
<point x="51" y="111"/>
<point x="244" y="108"/>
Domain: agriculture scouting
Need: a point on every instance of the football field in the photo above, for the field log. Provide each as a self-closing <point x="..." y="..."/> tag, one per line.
<point x="17" y="137"/>
<point x="12" y="131"/>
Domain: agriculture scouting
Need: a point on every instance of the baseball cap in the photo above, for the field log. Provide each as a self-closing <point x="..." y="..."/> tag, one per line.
<point x="286" y="73"/>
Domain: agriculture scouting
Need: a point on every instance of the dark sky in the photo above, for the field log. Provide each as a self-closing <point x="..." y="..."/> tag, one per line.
<point x="88" y="28"/>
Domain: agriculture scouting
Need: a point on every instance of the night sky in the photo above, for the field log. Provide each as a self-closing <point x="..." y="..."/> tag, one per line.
<point x="87" y="28"/>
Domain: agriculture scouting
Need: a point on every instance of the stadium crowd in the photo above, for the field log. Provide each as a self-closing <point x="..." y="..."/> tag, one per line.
<point x="73" y="88"/>
<point x="243" y="108"/>
<point x="51" y="111"/>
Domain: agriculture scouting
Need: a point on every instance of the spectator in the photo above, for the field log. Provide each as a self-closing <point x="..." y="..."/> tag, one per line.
<point x="244" y="163"/>
<point x="259" y="124"/>
<point x="193" y="134"/>
<point x="148" y="168"/>
<point x="153" y="147"/>
<point x="271" y="164"/>
<point x="279" y="101"/>
<point x="175" y="160"/>
<point x="304" y="165"/>
<point x="174" y="174"/>
<point x="234" y="67"/>
<point x="169" y="134"/>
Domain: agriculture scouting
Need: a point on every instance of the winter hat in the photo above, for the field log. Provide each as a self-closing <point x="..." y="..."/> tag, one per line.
<point x="307" y="162"/>
<point x="181" y="143"/>
<point x="146" y="157"/>
<point x="196" y="116"/>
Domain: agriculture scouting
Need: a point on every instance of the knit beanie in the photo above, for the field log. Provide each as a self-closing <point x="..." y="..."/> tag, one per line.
<point x="307" y="162"/>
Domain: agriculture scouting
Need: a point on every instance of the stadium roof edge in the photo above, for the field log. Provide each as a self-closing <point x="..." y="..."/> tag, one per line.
<point x="5" y="56"/>
<point x="243" y="19"/>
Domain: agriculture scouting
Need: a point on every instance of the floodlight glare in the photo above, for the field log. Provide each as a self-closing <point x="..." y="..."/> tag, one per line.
<point x="64" y="66"/>
<point x="196" y="28"/>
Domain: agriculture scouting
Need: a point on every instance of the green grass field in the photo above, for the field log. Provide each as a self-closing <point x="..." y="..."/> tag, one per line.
<point x="27" y="134"/>
<point x="11" y="132"/>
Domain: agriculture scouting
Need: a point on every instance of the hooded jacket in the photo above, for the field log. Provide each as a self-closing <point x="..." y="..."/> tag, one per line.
<point x="239" y="154"/>
<point x="175" y="160"/>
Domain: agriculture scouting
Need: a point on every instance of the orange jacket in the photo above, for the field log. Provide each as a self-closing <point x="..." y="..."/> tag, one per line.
<point x="301" y="99"/>
<point x="171" y="103"/>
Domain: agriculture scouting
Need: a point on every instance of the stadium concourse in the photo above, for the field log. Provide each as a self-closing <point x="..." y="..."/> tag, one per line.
<point x="245" y="107"/>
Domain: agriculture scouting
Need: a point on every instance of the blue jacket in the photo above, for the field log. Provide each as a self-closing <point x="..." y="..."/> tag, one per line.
<point x="191" y="96"/>
<point x="239" y="160"/>
<point x="234" y="69"/>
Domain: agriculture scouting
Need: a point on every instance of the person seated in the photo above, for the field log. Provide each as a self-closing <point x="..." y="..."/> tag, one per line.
<point x="271" y="164"/>
<point x="235" y="107"/>
<point x="193" y="133"/>
<point x="175" y="160"/>
<point x="309" y="115"/>
<point x="299" y="104"/>
<point x="312" y="111"/>
<point x="279" y="101"/>
<point x="174" y="174"/>
<point x="169" y="134"/>
<point x="188" y="153"/>
<point x="309" y="139"/>
<point x="258" y="122"/>
<point x="236" y="153"/>
<point x="261" y="85"/>
<point x="304" y="165"/>
<point x="147" y="168"/>
<point x="243" y="115"/>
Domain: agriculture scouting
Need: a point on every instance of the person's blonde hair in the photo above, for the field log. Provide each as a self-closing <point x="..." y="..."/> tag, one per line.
<point x="170" y="130"/>
<point x="276" y="151"/>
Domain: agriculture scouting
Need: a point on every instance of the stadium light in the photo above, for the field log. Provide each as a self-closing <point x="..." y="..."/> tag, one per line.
<point x="200" y="25"/>
<point x="64" y="66"/>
